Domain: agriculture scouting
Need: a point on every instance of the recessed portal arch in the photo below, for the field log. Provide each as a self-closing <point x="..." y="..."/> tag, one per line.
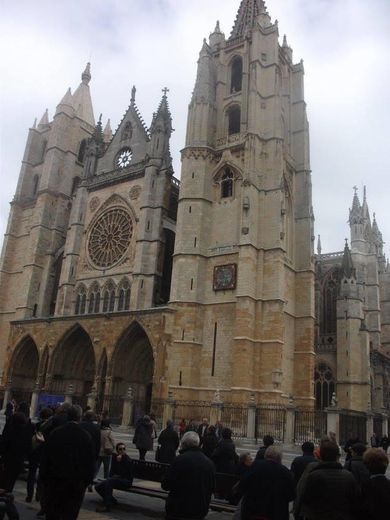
<point x="133" y="366"/>
<point x="73" y="366"/>
<point x="23" y="371"/>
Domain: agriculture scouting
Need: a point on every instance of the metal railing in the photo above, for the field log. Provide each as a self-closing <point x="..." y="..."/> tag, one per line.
<point x="270" y="420"/>
<point x="309" y="425"/>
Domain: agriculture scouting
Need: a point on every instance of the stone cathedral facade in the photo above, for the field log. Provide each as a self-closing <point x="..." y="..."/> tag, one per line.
<point x="116" y="276"/>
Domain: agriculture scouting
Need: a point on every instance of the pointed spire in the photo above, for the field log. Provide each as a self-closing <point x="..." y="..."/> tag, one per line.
<point x="285" y="44"/>
<point x="347" y="268"/>
<point x="246" y="16"/>
<point x="217" y="28"/>
<point x="355" y="214"/>
<point x="86" y="75"/>
<point x="82" y="102"/>
<point x="107" y="132"/>
<point x="365" y="210"/>
<point x="44" y="119"/>
<point x="98" y="132"/>
<point x="163" y="113"/>
<point x="67" y="99"/>
<point x="35" y="123"/>
<point x="319" y="247"/>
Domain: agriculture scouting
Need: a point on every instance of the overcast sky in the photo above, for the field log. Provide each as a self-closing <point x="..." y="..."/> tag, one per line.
<point x="345" y="45"/>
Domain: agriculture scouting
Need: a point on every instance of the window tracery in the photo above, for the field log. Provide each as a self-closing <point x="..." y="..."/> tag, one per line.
<point x="324" y="386"/>
<point x="236" y="75"/>
<point x="227" y="184"/>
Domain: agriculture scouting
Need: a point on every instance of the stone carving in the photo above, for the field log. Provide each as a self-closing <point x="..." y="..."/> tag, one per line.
<point x="94" y="203"/>
<point x="134" y="192"/>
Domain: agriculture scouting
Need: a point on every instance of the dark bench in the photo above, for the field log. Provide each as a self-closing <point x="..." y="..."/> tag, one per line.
<point x="155" y="472"/>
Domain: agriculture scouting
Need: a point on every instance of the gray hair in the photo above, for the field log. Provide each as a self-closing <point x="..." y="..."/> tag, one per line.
<point x="75" y="413"/>
<point x="273" y="453"/>
<point x="190" y="440"/>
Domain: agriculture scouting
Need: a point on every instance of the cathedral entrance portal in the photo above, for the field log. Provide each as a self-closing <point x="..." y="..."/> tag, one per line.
<point x="73" y="367"/>
<point x="133" y="367"/>
<point x="24" y="370"/>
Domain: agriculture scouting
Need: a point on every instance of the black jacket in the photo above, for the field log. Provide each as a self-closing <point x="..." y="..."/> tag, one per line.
<point x="190" y="481"/>
<point x="210" y="442"/>
<point x="225" y="457"/>
<point x="169" y="442"/>
<point x="121" y="468"/>
<point x="330" y="489"/>
<point x="143" y="439"/>
<point x="68" y="454"/>
<point x="267" y="489"/>
<point x="299" y="464"/>
<point x="376" y="498"/>
<point x="358" y="469"/>
<point x="94" y="431"/>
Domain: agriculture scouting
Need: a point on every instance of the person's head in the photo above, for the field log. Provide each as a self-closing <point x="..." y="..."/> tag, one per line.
<point x="63" y="408"/>
<point x="268" y="440"/>
<point x="358" y="449"/>
<point x="89" y="416"/>
<point x="376" y="461"/>
<point x="332" y="436"/>
<point x="329" y="451"/>
<point x="212" y="429"/>
<point x="190" y="440"/>
<point x="105" y="423"/>
<point x="24" y="408"/>
<point x="45" y="413"/>
<point x="74" y="413"/>
<point x="146" y="418"/>
<point x="226" y="433"/>
<point x="308" y="447"/>
<point x="169" y="424"/>
<point x="205" y="421"/>
<point x="273" y="453"/>
<point x="246" y="459"/>
<point x="120" y="448"/>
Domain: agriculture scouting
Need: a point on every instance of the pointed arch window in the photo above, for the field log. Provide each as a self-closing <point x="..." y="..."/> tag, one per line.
<point x="124" y="297"/>
<point x="97" y="302"/>
<point x="328" y="323"/>
<point x="106" y="300"/>
<point x="81" y="301"/>
<point x="227" y="184"/>
<point x="234" y="120"/>
<point x="91" y="303"/>
<point x="324" y="386"/>
<point x="236" y="75"/>
<point x="111" y="305"/>
<point x="82" y="150"/>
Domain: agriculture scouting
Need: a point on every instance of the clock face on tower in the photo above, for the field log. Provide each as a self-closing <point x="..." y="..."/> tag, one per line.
<point x="225" y="277"/>
<point x="124" y="158"/>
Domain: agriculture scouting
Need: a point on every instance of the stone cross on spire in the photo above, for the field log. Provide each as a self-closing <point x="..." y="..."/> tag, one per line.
<point x="165" y="90"/>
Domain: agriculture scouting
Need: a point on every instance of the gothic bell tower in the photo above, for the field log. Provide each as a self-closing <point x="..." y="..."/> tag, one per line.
<point x="243" y="280"/>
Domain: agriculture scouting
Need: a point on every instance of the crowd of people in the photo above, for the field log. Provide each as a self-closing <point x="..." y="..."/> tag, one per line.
<point x="66" y="448"/>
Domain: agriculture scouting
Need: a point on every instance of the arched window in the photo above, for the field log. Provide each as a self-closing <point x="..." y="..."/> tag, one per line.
<point x="328" y="304"/>
<point x="111" y="306"/>
<point x="127" y="132"/>
<point x="35" y="185"/>
<point x="82" y="149"/>
<point x="227" y="184"/>
<point x="91" y="303"/>
<point x="236" y="75"/>
<point x="234" y="120"/>
<point x="97" y="303"/>
<point x="124" y="297"/>
<point x="106" y="300"/>
<point x="324" y="386"/>
<point x="81" y="301"/>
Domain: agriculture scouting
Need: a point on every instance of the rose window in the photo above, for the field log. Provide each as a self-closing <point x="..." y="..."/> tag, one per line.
<point x="110" y="238"/>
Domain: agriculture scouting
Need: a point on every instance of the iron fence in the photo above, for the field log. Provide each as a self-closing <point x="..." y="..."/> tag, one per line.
<point x="270" y="420"/>
<point x="377" y="426"/>
<point x="193" y="411"/>
<point x="235" y="417"/>
<point x="352" y="425"/>
<point x="309" y="425"/>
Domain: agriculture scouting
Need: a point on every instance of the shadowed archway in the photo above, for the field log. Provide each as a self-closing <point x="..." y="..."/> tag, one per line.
<point x="73" y="366"/>
<point x="23" y="371"/>
<point x="132" y="366"/>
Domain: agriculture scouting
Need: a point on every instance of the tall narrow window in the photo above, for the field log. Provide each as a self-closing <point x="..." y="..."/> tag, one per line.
<point x="106" y="300"/>
<point x="236" y="75"/>
<point x="97" y="302"/>
<point x="234" y="120"/>
<point x="324" y="386"/>
<point x="112" y="301"/>
<point x="35" y="185"/>
<point x="121" y="300"/>
<point x="227" y="184"/>
<point x="82" y="149"/>
<point x="127" y="299"/>
<point x="83" y="303"/>
<point x="91" y="304"/>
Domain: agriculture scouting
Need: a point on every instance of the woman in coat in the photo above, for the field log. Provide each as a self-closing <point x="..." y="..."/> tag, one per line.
<point x="224" y="456"/>
<point x="143" y="436"/>
<point x="107" y="447"/>
<point x="168" y="441"/>
<point x="210" y="441"/>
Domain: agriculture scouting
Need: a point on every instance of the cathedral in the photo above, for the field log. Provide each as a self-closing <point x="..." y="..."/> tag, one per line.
<point x="119" y="282"/>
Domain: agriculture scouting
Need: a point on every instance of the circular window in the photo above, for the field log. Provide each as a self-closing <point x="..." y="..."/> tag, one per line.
<point x="124" y="158"/>
<point x="110" y="238"/>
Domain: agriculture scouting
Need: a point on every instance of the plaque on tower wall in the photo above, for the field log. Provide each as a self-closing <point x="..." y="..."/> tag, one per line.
<point x="225" y="277"/>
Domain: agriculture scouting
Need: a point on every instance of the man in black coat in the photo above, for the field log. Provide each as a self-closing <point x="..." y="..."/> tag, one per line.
<point x="328" y="488"/>
<point x="168" y="441"/>
<point x="267" y="488"/>
<point x="120" y="478"/>
<point x="299" y="463"/>
<point x="376" y="491"/>
<point x="190" y="481"/>
<point x="268" y="441"/>
<point x="67" y="467"/>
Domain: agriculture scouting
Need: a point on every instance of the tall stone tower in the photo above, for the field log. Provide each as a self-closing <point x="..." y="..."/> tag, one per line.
<point x="243" y="276"/>
<point x="39" y="217"/>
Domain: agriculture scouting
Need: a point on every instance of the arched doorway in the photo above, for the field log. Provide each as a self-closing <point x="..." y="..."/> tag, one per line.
<point x="133" y="366"/>
<point x="73" y="366"/>
<point x="24" y="370"/>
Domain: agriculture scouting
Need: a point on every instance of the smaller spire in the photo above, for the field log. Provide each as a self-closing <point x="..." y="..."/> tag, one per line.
<point x="319" y="247"/>
<point x="217" y="28"/>
<point x="67" y="99"/>
<point x="107" y="132"/>
<point x="44" y="119"/>
<point x="285" y="44"/>
<point x="347" y="268"/>
<point x="86" y="75"/>
<point x="98" y="132"/>
<point x="35" y="123"/>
